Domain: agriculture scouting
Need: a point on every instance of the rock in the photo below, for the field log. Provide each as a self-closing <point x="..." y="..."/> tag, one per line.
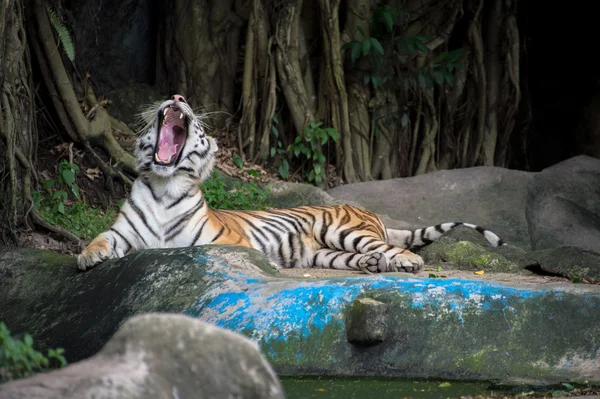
<point x="453" y="328"/>
<point x="488" y="196"/>
<point x="289" y="195"/>
<point x="563" y="205"/>
<point x="466" y="249"/>
<point x="44" y="294"/>
<point x="367" y="322"/>
<point x="160" y="356"/>
<point x="574" y="263"/>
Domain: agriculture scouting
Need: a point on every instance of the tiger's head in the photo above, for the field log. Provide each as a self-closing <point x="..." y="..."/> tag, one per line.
<point x="174" y="143"/>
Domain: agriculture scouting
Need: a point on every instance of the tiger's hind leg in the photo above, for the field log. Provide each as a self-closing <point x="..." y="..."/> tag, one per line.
<point x="372" y="262"/>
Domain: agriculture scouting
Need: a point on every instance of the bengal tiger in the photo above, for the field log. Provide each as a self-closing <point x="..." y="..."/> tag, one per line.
<point x="166" y="209"/>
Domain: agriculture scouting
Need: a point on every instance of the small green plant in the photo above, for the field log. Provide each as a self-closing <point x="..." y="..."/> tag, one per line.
<point x="19" y="359"/>
<point x="65" y="180"/>
<point x="235" y="196"/>
<point x="278" y="151"/>
<point x="75" y="216"/>
<point x="310" y="147"/>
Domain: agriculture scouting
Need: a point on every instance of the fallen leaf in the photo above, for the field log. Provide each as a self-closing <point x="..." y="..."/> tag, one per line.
<point x="480" y="272"/>
<point x="93" y="174"/>
<point x="444" y="385"/>
<point x="306" y="275"/>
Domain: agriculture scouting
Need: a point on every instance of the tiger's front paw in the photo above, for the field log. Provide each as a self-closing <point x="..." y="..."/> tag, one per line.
<point x="98" y="251"/>
<point x="406" y="262"/>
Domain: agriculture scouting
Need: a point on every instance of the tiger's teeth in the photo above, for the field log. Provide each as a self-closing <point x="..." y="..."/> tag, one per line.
<point x="165" y="112"/>
<point x="156" y="157"/>
<point x="181" y="115"/>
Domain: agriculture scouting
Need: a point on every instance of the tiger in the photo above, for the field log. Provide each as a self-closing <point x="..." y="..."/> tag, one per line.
<point x="167" y="209"/>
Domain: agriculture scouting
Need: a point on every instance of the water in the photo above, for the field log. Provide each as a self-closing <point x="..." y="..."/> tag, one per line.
<point x="379" y="388"/>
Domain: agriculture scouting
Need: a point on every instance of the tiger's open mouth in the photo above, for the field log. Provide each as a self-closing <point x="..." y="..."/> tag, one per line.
<point x="171" y="136"/>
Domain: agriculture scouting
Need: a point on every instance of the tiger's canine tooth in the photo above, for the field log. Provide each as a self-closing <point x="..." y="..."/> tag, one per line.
<point x="156" y="158"/>
<point x="165" y="111"/>
<point x="181" y="115"/>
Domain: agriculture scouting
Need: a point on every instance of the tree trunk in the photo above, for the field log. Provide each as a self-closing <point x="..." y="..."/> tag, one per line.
<point x="17" y="120"/>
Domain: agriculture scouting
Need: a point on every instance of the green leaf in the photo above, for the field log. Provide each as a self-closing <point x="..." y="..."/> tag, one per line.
<point x="377" y="47"/>
<point x="284" y="169"/>
<point x="356" y="50"/>
<point x="444" y="385"/>
<point x="421" y="47"/>
<point x="404" y="120"/>
<point x="29" y="340"/>
<point x="75" y="191"/>
<point x="272" y="152"/>
<point x="318" y="168"/>
<point x="298" y="139"/>
<point x="275" y="131"/>
<point x="333" y="133"/>
<point x="568" y="386"/>
<point x="238" y="161"/>
<point x="366" y="77"/>
<point x="48" y="184"/>
<point x="61" y="208"/>
<point x="454" y="56"/>
<point x="375" y="81"/>
<point x="450" y="79"/>
<point x="74" y="167"/>
<point x="275" y="118"/>
<point x="68" y="176"/>
<point x="347" y="45"/>
<point x="366" y="47"/>
<point x="388" y="21"/>
<point x="439" y="77"/>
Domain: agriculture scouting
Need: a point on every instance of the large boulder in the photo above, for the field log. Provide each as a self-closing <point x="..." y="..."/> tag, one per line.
<point x="563" y="205"/>
<point x="389" y="324"/>
<point x="44" y="293"/>
<point x="160" y="356"/>
<point x="487" y="196"/>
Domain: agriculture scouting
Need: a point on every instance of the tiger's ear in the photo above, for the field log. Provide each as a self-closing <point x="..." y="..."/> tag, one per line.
<point x="213" y="144"/>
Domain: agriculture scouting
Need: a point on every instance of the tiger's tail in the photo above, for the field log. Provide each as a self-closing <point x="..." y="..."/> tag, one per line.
<point x="411" y="239"/>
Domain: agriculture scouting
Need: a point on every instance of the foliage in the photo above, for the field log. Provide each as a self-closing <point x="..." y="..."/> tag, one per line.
<point x="235" y="196"/>
<point x="63" y="33"/>
<point x="278" y="151"/>
<point x="386" y="28"/>
<point x="78" y="217"/>
<point x="65" y="180"/>
<point x="19" y="359"/>
<point x="310" y="147"/>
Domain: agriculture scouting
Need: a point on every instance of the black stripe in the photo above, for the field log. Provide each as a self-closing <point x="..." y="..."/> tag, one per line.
<point x="178" y="200"/>
<point x="366" y="244"/>
<point x="156" y="199"/>
<point x="326" y="223"/>
<point x="129" y="246"/>
<point x="438" y="228"/>
<point x="199" y="231"/>
<point x="186" y="169"/>
<point x="292" y="219"/>
<point x="142" y="216"/>
<point x="134" y="228"/>
<point x="218" y="234"/>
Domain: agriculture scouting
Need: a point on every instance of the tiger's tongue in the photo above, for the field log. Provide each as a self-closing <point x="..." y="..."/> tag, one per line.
<point x="166" y="146"/>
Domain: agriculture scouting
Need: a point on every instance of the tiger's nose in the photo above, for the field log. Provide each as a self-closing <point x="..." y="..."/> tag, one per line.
<point x="177" y="98"/>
